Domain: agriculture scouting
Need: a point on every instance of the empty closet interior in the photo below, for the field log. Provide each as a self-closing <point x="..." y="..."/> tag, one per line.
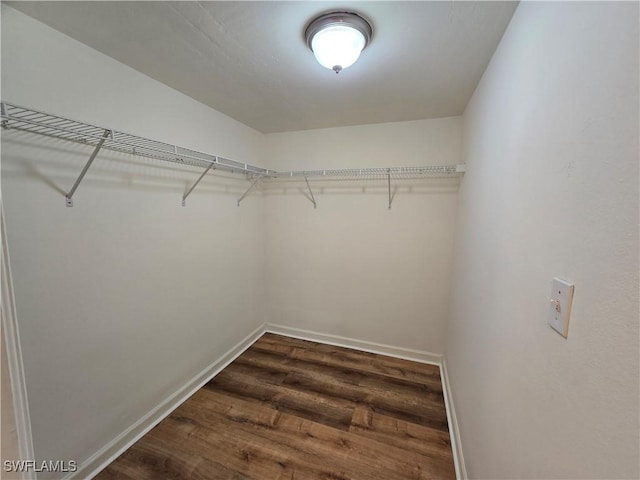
<point x="182" y="179"/>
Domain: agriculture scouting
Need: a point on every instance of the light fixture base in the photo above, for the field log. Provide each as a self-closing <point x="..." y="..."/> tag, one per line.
<point x="332" y="19"/>
<point x="337" y="38"/>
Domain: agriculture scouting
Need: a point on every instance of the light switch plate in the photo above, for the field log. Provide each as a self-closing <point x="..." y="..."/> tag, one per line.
<point x="560" y="305"/>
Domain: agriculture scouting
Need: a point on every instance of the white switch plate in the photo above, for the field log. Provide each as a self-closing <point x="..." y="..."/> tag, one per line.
<point x="560" y="305"/>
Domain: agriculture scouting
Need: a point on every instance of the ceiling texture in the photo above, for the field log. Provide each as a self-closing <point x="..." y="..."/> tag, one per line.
<point x="250" y="61"/>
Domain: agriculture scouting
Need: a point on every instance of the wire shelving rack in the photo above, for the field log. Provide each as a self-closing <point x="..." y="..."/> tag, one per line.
<point x="102" y="138"/>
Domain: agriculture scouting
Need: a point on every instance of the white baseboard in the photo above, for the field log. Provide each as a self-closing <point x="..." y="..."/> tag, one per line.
<point x="103" y="457"/>
<point x="454" y="431"/>
<point x="371" y="347"/>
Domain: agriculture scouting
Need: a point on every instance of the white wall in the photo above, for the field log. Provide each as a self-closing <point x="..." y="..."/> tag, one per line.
<point x="126" y="296"/>
<point x="551" y="189"/>
<point x="352" y="267"/>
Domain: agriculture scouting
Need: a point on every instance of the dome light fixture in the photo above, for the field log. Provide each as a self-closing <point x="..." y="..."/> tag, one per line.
<point x="337" y="39"/>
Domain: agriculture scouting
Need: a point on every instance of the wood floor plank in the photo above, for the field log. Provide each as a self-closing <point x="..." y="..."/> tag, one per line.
<point x="395" y="397"/>
<point x="263" y="374"/>
<point x="352" y="454"/>
<point x="325" y="409"/>
<point x="255" y="447"/>
<point x="347" y="358"/>
<point x="418" y="409"/>
<point x="240" y="455"/>
<point x="426" y="441"/>
<point x="290" y="409"/>
<point x="235" y="449"/>
<point x="160" y="459"/>
<point x="272" y="361"/>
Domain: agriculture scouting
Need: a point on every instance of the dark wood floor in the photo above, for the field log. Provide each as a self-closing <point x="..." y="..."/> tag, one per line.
<point x="292" y="409"/>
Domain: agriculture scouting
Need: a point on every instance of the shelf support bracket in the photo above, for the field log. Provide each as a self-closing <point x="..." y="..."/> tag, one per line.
<point x="313" y="199"/>
<point x="184" y="199"/>
<point x="389" y="186"/>
<point x="69" y="196"/>
<point x="249" y="189"/>
<point x="3" y="113"/>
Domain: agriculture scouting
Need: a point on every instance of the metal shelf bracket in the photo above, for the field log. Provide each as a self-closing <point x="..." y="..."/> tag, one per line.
<point x="249" y="189"/>
<point x="313" y="199"/>
<point x="389" y="185"/>
<point x="69" y="196"/>
<point x="184" y="198"/>
<point x="3" y="113"/>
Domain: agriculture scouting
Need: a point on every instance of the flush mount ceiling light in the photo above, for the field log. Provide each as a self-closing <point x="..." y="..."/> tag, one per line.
<point x="337" y="39"/>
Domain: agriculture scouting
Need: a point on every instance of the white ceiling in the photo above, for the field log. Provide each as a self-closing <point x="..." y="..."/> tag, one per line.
<point x="249" y="60"/>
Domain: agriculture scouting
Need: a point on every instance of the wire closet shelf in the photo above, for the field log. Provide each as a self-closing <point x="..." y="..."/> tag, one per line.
<point x="36" y="122"/>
